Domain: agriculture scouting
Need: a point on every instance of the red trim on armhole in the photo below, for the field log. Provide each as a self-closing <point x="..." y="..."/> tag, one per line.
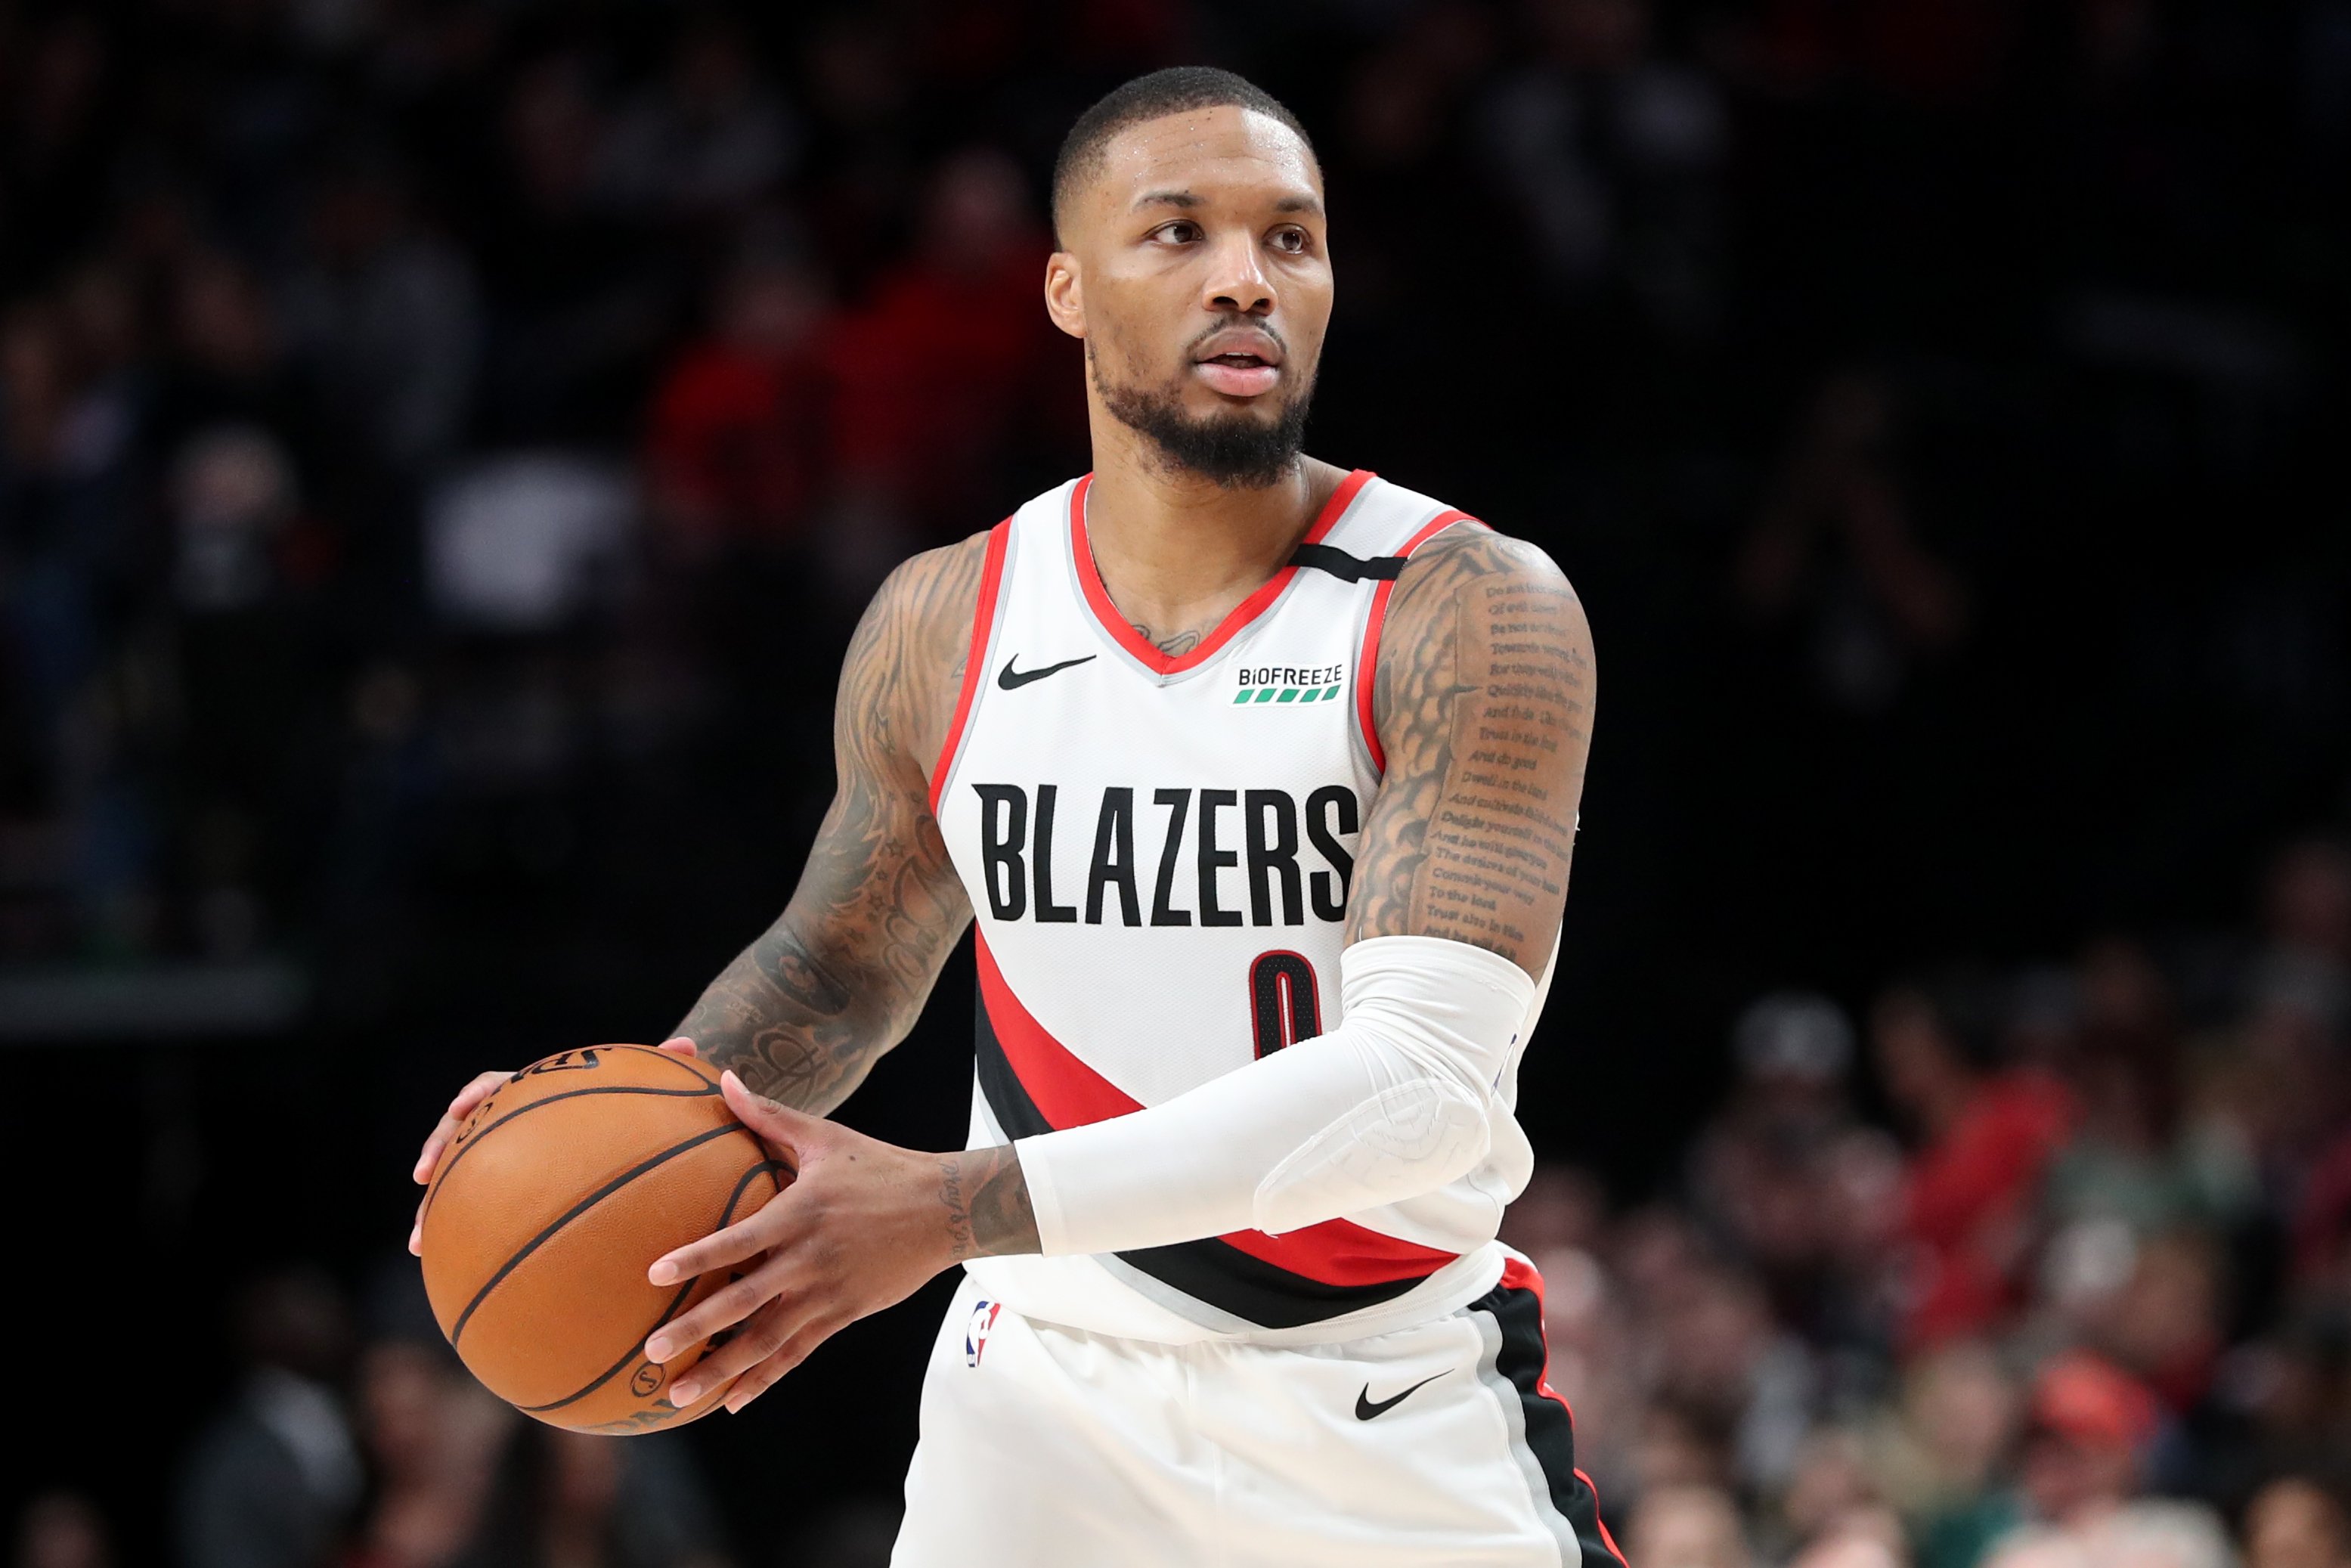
<point x="1368" y="660"/>
<point x="1124" y="633"/>
<point x="983" y="621"/>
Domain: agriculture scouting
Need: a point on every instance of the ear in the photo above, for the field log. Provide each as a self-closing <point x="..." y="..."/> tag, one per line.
<point x="1064" y="296"/>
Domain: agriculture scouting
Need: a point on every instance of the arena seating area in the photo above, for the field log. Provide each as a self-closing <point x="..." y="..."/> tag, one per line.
<point x="443" y="445"/>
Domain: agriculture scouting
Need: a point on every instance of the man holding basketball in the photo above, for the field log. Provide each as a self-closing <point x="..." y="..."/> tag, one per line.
<point x="1258" y="779"/>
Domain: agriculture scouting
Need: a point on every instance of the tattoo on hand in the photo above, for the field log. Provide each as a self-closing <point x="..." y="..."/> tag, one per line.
<point x="986" y="1201"/>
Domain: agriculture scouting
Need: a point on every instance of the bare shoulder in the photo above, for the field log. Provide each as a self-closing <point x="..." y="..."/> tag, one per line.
<point x="1496" y="589"/>
<point x="904" y="667"/>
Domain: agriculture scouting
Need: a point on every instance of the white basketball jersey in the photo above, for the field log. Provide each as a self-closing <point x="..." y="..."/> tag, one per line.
<point x="1158" y="851"/>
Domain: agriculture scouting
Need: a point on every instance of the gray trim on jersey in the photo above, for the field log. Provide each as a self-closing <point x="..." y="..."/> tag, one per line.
<point x="1514" y="1420"/>
<point x="1191" y="1309"/>
<point x="987" y="659"/>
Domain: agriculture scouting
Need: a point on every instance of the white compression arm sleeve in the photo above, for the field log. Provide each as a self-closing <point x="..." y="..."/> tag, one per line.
<point x="1394" y="1102"/>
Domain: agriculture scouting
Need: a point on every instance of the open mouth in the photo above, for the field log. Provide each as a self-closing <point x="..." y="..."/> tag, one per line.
<point x="1241" y="371"/>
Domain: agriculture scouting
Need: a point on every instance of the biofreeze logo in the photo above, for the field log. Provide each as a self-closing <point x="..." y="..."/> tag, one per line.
<point x="1167" y="857"/>
<point x="1289" y="683"/>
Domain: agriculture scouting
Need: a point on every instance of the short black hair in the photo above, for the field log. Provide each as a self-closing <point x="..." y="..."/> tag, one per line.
<point x="1149" y="97"/>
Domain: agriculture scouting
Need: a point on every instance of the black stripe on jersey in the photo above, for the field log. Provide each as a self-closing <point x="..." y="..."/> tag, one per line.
<point x="1348" y="568"/>
<point x="1210" y="1269"/>
<point x="1550" y="1431"/>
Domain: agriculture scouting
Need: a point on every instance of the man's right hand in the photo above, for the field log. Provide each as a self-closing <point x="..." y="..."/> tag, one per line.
<point x="429" y="1158"/>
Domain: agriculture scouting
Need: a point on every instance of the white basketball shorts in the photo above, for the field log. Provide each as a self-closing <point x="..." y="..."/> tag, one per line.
<point x="1438" y="1444"/>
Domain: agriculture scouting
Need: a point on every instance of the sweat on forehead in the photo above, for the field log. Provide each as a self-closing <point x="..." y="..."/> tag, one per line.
<point x="1161" y="93"/>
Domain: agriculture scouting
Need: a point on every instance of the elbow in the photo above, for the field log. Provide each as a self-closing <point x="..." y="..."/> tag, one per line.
<point x="1408" y="1139"/>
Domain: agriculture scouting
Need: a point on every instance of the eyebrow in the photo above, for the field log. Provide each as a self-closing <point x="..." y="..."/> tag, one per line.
<point x="1185" y="199"/>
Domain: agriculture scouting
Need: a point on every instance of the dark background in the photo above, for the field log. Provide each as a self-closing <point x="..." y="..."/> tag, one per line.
<point x="444" y="446"/>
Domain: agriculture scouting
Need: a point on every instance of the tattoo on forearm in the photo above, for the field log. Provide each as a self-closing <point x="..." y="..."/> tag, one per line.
<point x="803" y="1014"/>
<point x="986" y="1200"/>
<point x="1484" y="700"/>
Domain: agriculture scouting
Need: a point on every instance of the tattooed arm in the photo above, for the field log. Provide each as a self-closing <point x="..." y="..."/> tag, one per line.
<point x="803" y="1012"/>
<point x="1483" y="702"/>
<point x="1483" y="705"/>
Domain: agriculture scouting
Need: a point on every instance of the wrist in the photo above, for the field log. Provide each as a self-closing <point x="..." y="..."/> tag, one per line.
<point x="984" y="1205"/>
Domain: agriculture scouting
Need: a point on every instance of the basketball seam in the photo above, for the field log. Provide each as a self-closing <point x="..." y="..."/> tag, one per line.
<point x="725" y="1218"/>
<point x="434" y="1192"/>
<point x="458" y="1330"/>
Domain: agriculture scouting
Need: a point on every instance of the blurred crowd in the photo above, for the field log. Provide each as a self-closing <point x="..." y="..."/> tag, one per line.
<point x="444" y="445"/>
<point x="2047" y="1267"/>
<point x="416" y="414"/>
<point x="2067" y="1285"/>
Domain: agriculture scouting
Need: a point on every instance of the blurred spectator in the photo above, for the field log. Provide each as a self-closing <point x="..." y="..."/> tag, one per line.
<point x="579" y="295"/>
<point x="272" y="1480"/>
<point x="946" y="365"/>
<point x="1611" y="154"/>
<point x="384" y="318"/>
<point x="708" y="138"/>
<point x="433" y="1437"/>
<point x="62" y="1530"/>
<point x="1960" y="1413"/>
<point x="736" y="445"/>
<point x="1765" y="1169"/>
<point x="2307" y="912"/>
<point x="1984" y="1140"/>
<point x="2081" y="1480"/>
<point x="2296" y="1523"/>
<point x="1837" y="547"/>
<point x="1687" y="1527"/>
<point x="566" y="1498"/>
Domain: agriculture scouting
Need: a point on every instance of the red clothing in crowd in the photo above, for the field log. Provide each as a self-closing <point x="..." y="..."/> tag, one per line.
<point x="736" y="445"/>
<point x="937" y="375"/>
<point x="1969" y="1199"/>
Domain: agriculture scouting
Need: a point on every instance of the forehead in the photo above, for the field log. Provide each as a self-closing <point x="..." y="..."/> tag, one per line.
<point x="1221" y="150"/>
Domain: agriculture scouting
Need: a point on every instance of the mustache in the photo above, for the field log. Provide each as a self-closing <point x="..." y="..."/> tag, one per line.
<point x="1249" y="323"/>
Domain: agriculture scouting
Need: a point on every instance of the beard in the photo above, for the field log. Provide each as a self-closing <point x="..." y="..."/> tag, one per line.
<point x="1235" y="449"/>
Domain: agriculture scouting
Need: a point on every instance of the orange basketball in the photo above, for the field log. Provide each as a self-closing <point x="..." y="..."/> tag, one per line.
<point x="546" y="1210"/>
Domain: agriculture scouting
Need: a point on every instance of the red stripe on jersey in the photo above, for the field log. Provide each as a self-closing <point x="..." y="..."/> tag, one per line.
<point x="1069" y="1093"/>
<point x="1341" y="1252"/>
<point x="1520" y="1275"/>
<point x="1065" y="1091"/>
<point x="983" y="619"/>
<point x="1368" y="660"/>
<point x="1121" y="632"/>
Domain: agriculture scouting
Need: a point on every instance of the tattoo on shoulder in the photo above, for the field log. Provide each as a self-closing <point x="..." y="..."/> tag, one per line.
<point x="803" y="1012"/>
<point x="1483" y="701"/>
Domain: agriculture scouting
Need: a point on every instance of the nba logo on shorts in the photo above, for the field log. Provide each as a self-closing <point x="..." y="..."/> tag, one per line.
<point x="974" y="1333"/>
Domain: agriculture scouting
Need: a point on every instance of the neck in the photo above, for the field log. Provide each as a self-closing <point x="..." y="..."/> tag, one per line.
<point x="1178" y="551"/>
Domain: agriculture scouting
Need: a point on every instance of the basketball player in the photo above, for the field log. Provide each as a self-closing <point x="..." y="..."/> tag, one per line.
<point x="1259" y="777"/>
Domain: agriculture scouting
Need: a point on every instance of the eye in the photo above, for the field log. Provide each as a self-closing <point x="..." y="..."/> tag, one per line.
<point x="1291" y="241"/>
<point x="1183" y="231"/>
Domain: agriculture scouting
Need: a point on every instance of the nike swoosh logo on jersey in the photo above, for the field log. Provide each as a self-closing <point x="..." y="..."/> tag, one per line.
<point x="1012" y="680"/>
<point x="1365" y="1409"/>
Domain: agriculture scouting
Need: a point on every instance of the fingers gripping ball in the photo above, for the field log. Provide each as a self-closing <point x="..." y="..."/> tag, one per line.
<point x="547" y="1208"/>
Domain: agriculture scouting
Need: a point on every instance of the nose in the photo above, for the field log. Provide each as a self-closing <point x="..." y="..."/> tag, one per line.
<point x="1237" y="284"/>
